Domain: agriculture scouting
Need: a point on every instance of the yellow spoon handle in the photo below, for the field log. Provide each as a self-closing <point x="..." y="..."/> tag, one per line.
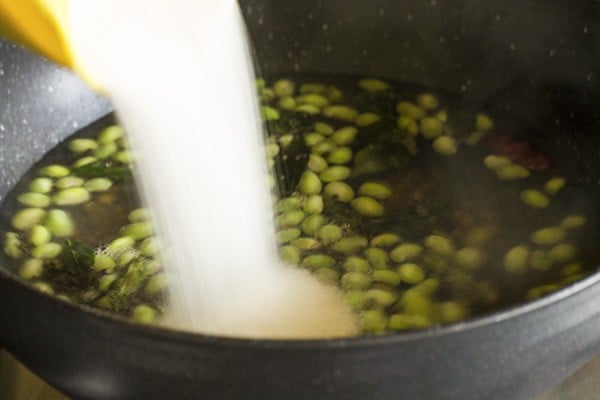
<point x="40" y="25"/>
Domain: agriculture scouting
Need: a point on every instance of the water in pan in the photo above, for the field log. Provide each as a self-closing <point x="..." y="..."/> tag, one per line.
<point x="421" y="211"/>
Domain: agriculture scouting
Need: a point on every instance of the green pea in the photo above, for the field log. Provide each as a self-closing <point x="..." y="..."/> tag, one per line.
<point x="387" y="239"/>
<point x="373" y="321"/>
<point x="33" y="199"/>
<point x="572" y="269"/>
<point x="312" y="88"/>
<point x="316" y="163"/>
<point x="31" y="268"/>
<point x="68" y="182"/>
<point x="127" y="256"/>
<point x="110" y="134"/>
<point x="59" y="223"/>
<point x="479" y="236"/>
<point x="312" y="223"/>
<point x="355" y="299"/>
<point x="71" y="197"/>
<point x="266" y="94"/>
<point x="325" y="147"/>
<point x="515" y="260"/>
<point x="309" y="183"/>
<point x="287" y="103"/>
<point x="103" y="262"/>
<point x="284" y="87"/>
<point x="427" y="101"/>
<point x="150" y="246"/>
<point x="12" y="245"/>
<point x="554" y="185"/>
<point x="289" y="255"/>
<point x="349" y="245"/>
<point x="272" y="150"/>
<point x="343" y="113"/>
<point x="123" y="156"/>
<point x="539" y="291"/>
<point x="144" y="314"/>
<point x="377" y="257"/>
<point x="327" y="276"/>
<point x="329" y="233"/>
<point x="139" y="215"/>
<point x="341" y="155"/>
<point x="410" y="110"/>
<point x="340" y="191"/>
<point x="356" y="264"/>
<point x="138" y="230"/>
<point x="512" y="172"/>
<point x="307" y="109"/>
<point x="39" y="234"/>
<point x="405" y="252"/>
<point x="318" y="261"/>
<point x="344" y="136"/>
<point x="445" y="145"/>
<point x="375" y="190"/>
<point x="287" y="235"/>
<point x="55" y="171"/>
<point x="408" y="124"/>
<point x="452" y="311"/>
<point x="540" y="261"/>
<point x="27" y="217"/>
<point x="84" y="161"/>
<point x="120" y="244"/>
<point x="305" y="243"/>
<point x="367" y="206"/>
<point x="380" y="297"/>
<point x="386" y="276"/>
<point x="105" y="150"/>
<point x="373" y="85"/>
<point x="401" y="322"/>
<point x="106" y="281"/>
<point x="46" y="250"/>
<point x="355" y="280"/>
<point x="573" y="222"/>
<point x="313" y="99"/>
<point x="483" y="123"/>
<point x="288" y="204"/>
<point x="534" y="198"/>
<point x="440" y="244"/>
<point x="289" y="219"/>
<point x="411" y="273"/>
<point x="366" y="119"/>
<point x="313" y="204"/>
<point x="156" y="284"/>
<point x="431" y="127"/>
<point x="468" y="258"/>
<point x="416" y="302"/>
<point x="41" y="185"/>
<point x="323" y="128"/>
<point x="97" y="184"/>
<point x="82" y="145"/>
<point x="547" y="236"/>
<point x="335" y="173"/>
<point x="44" y="287"/>
<point x="285" y="140"/>
<point x="313" y="138"/>
<point x="495" y="162"/>
<point x="562" y="252"/>
<point x="427" y="288"/>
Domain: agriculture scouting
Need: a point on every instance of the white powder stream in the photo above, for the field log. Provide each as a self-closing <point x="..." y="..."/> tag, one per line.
<point x="180" y="76"/>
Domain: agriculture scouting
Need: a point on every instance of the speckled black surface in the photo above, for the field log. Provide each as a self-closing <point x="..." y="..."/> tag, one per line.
<point x="538" y="60"/>
<point x="40" y="104"/>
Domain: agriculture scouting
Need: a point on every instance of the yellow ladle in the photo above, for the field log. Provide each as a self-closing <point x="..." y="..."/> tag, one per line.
<point x="41" y="25"/>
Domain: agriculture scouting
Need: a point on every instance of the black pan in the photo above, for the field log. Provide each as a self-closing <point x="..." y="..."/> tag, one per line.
<point x="538" y="60"/>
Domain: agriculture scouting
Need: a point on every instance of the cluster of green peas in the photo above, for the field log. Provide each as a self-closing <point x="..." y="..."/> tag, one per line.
<point x="391" y="284"/>
<point x="42" y="227"/>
